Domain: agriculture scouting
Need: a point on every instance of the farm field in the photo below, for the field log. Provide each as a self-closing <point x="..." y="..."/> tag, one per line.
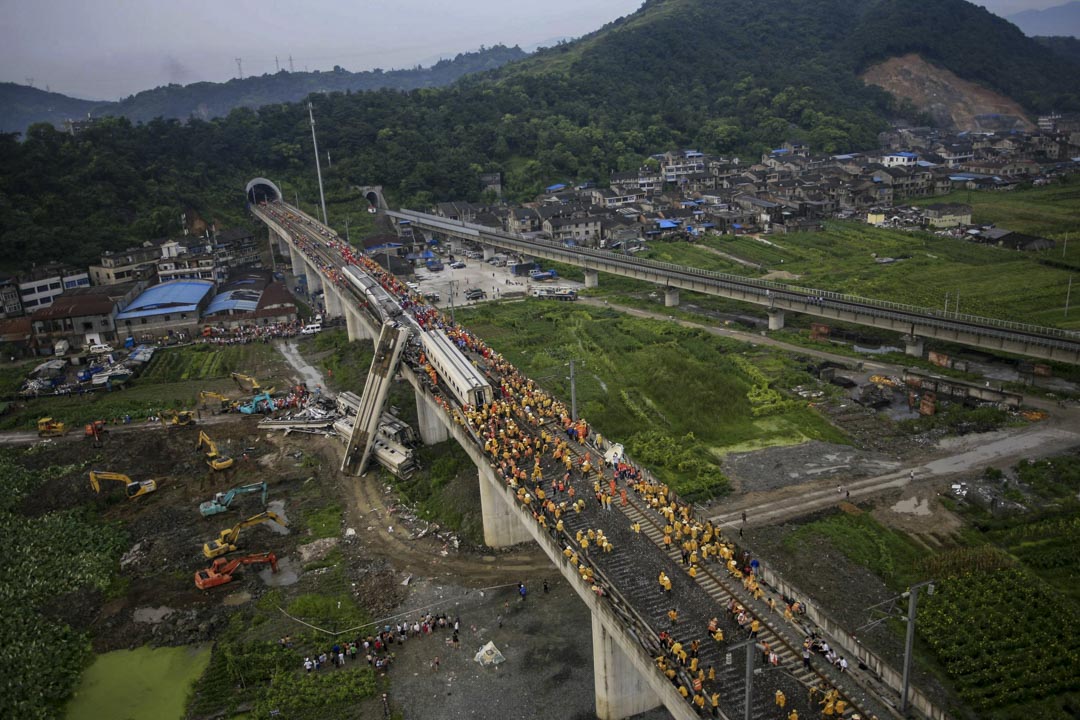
<point x="1002" y="624"/>
<point x="656" y="387"/>
<point x="168" y="383"/>
<point x="1049" y="211"/>
<point x="991" y="281"/>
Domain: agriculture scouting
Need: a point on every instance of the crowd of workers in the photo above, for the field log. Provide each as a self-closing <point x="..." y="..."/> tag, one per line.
<point x="527" y="434"/>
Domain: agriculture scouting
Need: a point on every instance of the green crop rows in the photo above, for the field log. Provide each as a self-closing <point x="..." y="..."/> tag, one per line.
<point x="46" y="558"/>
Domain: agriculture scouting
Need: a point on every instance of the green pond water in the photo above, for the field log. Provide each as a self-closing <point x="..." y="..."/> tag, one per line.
<point x="143" y="684"/>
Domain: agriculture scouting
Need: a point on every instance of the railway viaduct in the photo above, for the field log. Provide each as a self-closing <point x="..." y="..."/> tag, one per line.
<point x="913" y="323"/>
<point x="628" y="615"/>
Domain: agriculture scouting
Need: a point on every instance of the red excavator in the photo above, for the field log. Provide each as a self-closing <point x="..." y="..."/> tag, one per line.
<point x="222" y="569"/>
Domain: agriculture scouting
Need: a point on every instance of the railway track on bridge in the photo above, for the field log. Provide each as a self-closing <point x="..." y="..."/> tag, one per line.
<point x="631" y="573"/>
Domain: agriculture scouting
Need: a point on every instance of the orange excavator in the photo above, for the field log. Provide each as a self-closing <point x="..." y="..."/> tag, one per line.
<point x="222" y="569"/>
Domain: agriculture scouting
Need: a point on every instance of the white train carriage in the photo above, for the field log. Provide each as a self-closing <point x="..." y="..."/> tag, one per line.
<point x="382" y="303"/>
<point x="468" y="384"/>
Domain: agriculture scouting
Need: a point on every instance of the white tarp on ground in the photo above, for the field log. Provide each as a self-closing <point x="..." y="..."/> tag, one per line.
<point x="613" y="454"/>
<point x="489" y="655"/>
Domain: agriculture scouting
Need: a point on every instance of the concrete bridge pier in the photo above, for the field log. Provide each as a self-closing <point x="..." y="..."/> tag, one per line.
<point x="333" y="301"/>
<point x="355" y="326"/>
<point x="503" y="526"/>
<point x="489" y="252"/>
<point x="913" y="345"/>
<point x="297" y="261"/>
<point x="776" y="319"/>
<point x="621" y="691"/>
<point x="592" y="279"/>
<point x="430" y="420"/>
<point x="314" y="279"/>
<point x="671" y="297"/>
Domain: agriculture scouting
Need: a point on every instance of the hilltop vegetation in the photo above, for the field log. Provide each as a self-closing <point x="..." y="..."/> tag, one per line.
<point x="724" y="76"/>
<point x="21" y="106"/>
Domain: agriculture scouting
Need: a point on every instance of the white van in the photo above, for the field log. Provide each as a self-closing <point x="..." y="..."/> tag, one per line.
<point x="100" y="349"/>
<point x="311" y="329"/>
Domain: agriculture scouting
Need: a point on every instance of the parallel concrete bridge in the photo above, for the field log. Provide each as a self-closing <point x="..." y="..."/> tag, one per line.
<point x="630" y="613"/>
<point x="914" y="323"/>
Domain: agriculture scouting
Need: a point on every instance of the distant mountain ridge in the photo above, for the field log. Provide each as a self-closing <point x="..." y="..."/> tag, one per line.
<point x="21" y="106"/>
<point x="1060" y="20"/>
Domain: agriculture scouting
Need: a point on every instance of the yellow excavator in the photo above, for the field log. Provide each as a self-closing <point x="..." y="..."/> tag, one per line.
<point x="133" y="488"/>
<point x="250" y="384"/>
<point x="47" y="427"/>
<point x="177" y="418"/>
<point x="226" y="540"/>
<point x="214" y="459"/>
<point x="210" y="399"/>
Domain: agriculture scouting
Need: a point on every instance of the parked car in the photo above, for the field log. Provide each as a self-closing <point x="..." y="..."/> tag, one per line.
<point x="475" y="294"/>
<point x="457" y="265"/>
<point x="311" y="329"/>
<point x="432" y="297"/>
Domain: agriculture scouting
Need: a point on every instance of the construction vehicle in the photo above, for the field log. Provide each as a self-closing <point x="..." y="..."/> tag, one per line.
<point x="215" y="400"/>
<point x="95" y="429"/>
<point x="226" y="540"/>
<point x="214" y="459"/>
<point x="133" y="488"/>
<point x="177" y="418"/>
<point x="47" y="427"/>
<point x="249" y="384"/>
<point x="223" y="500"/>
<point x="257" y="404"/>
<point x="222" y="569"/>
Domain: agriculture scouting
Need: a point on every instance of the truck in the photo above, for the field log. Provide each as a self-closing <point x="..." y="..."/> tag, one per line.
<point x="61" y="347"/>
<point x="540" y="275"/>
<point x="523" y="269"/>
<point x="434" y="264"/>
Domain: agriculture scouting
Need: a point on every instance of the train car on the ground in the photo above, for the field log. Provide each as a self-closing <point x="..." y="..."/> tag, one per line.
<point x="468" y="384"/>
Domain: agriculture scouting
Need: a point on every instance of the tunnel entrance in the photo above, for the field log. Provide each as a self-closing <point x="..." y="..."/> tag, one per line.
<point x="260" y="190"/>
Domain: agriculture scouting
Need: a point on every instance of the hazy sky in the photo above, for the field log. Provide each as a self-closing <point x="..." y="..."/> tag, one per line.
<point x="107" y="49"/>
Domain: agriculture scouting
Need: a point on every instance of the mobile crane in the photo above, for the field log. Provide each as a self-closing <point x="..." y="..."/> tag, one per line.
<point x="221" y="570"/>
<point x="47" y="427"/>
<point x="226" y="540"/>
<point x="214" y="459"/>
<point x="132" y="488"/>
<point x="223" y="500"/>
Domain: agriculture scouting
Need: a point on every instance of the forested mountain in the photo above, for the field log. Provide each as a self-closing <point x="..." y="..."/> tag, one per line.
<point x="1068" y="48"/>
<point x="20" y="106"/>
<point x="724" y="76"/>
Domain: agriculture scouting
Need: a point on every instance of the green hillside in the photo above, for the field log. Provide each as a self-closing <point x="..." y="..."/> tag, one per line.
<point x="723" y="76"/>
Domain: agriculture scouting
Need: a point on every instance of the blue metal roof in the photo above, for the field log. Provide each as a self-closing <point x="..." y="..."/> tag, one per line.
<point x="176" y="296"/>
<point x="667" y="224"/>
<point x="904" y="154"/>
<point x="245" y="300"/>
<point x="556" y="187"/>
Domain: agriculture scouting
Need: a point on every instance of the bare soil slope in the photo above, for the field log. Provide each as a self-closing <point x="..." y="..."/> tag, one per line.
<point x="947" y="98"/>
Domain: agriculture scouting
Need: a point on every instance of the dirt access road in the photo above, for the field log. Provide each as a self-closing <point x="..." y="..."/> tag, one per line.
<point x="386" y="529"/>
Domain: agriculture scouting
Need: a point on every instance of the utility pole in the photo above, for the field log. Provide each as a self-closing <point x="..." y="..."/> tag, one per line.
<point x="240" y="67"/>
<point x="328" y="163"/>
<point x="347" y="230"/>
<point x="318" y="169"/>
<point x="1068" y="294"/>
<point x="946" y="303"/>
<point x="453" y="289"/>
<point x="277" y="65"/>
<point x="909" y="642"/>
<point x="290" y="63"/>
<point x="751" y="646"/>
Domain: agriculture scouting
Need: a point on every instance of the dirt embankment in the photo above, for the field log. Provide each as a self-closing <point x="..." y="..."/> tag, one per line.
<point x="949" y="99"/>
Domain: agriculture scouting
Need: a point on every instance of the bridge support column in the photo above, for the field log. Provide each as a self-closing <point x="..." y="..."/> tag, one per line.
<point x="671" y="297"/>
<point x="314" y="279"/>
<point x="592" y="278"/>
<point x="621" y="691"/>
<point x="489" y="252"/>
<point x="913" y="345"/>
<point x="297" y="261"/>
<point x="776" y="319"/>
<point x="502" y="526"/>
<point x="333" y="301"/>
<point x="430" y="419"/>
<point x="353" y="326"/>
